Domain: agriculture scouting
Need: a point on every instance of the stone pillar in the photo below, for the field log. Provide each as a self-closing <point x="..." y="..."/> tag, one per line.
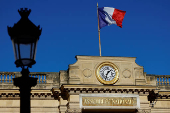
<point x="144" y="104"/>
<point x="73" y="104"/>
<point x="63" y="106"/>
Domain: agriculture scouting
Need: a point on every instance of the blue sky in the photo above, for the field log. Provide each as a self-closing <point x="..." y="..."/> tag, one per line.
<point x="69" y="28"/>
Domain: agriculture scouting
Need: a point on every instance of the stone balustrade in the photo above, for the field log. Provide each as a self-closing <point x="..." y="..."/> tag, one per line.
<point x="41" y="77"/>
<point x="162" y="80"/>
<point x="45" y="79"/>
<point x="52" y="79"/>
<point x="6" y="77"/>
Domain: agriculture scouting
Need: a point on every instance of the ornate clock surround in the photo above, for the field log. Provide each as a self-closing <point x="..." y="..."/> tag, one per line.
<point x="100" y="79"/>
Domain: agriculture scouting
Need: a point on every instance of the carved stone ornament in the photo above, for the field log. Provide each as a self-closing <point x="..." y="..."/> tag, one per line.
<point x="87" y="73"/>
<point x="127" y="73"/>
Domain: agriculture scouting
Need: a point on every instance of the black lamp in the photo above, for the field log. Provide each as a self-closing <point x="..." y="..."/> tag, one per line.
<point x="24" y="35"/>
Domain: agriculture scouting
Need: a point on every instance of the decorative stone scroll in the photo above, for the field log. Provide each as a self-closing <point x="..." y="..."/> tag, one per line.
<point x="110" y="101"/>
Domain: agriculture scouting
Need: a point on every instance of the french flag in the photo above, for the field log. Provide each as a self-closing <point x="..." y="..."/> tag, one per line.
<point x="109" y="15"/>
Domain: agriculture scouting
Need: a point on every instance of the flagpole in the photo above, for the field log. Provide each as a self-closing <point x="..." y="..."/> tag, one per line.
<point x="98" y="30"/>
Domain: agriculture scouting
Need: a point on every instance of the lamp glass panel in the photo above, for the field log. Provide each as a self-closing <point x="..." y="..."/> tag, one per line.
<point x="32" y="51"/>
<point x="35" y="49"/>
<point x="15" y="49"/>
<point x="25" y="51"/>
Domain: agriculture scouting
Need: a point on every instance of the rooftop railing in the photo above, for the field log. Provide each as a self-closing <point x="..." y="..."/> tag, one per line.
<point x="162" y="80"/>
<point x="6" y="78"/>
<point x="46" y="78"/>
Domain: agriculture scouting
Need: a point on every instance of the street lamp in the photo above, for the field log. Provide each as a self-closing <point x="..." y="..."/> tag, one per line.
<point x="24" y="35"/>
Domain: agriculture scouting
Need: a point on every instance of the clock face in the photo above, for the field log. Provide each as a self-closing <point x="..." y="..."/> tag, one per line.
<point x="107" y="73"/>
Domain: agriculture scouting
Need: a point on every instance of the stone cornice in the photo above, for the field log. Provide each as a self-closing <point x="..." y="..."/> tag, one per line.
<point x="105" y="58"/>
<point x="98" y="87"/>
<point x="14" y="94"/>
<point x="66" y="90"/>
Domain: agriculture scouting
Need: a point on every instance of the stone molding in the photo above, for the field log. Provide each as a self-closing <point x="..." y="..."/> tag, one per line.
<point x="35" y="94"/>
<point x="66" y="90"/>
<point x="74" y="111"/>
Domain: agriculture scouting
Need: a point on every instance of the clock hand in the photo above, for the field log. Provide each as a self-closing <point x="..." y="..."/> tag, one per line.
<point x="108" y="72"/>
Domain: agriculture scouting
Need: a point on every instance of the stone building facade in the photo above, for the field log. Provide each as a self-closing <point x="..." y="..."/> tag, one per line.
<point x="92" y="84"/>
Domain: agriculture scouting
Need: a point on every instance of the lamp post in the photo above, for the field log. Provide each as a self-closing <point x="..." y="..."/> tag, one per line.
<point x="24" y="35"/>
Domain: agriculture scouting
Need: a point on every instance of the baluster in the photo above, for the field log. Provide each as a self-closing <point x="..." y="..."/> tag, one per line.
<point x="162" y="81"/>
<point x="40" y="78"/>
<point x="6" y="78"/>
<point x="157" y="81"/>
<point x="44" y="79"/>
<point x="167" y="80"/>
<point x="2" y="78"/>
<point x="9" y="78"/>
<point x="12" y="76"/>
<point x="159" y="78"/>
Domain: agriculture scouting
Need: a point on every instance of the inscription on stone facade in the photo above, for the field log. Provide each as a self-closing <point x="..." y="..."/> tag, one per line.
<point x="109" y="101"/>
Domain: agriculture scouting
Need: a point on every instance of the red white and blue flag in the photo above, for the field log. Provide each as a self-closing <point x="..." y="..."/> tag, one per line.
<point x="109" y="15"/>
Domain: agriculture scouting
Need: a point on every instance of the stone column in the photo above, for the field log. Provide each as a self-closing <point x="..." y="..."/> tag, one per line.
<point x="63" y="105"/>
<point x="73" y="104"/>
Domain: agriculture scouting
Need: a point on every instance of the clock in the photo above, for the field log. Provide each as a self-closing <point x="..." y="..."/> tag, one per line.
<point x="107" y="73"/>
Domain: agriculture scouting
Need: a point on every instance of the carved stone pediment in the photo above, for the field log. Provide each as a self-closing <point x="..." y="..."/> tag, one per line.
<point x="85" y="69"/>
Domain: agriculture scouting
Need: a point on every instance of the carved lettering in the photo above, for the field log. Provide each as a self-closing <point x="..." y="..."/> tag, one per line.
<point x="109" y="101"/>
